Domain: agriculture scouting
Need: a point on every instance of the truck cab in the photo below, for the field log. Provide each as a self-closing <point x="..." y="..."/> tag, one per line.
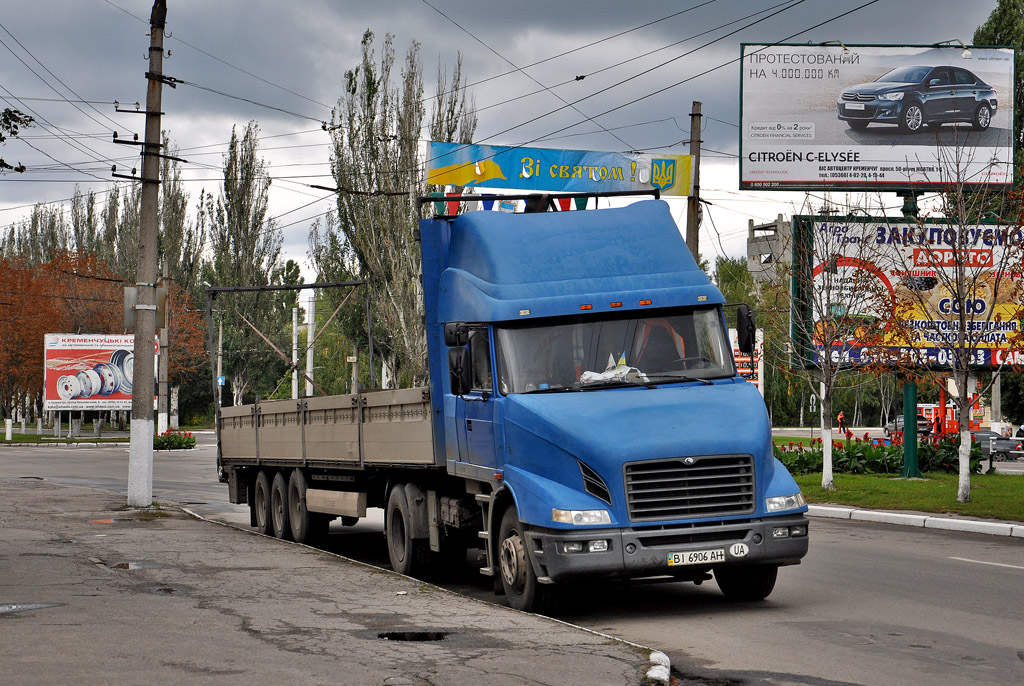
<point x="588" y="396"/>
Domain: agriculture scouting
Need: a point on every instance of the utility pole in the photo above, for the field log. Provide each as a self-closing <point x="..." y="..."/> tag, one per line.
<point x="693" y="201"/>
<point x="163" y="398"/>
<point x="295" y="353"/>
<point x="140" y="450"/>
<point x="310" y="335"/>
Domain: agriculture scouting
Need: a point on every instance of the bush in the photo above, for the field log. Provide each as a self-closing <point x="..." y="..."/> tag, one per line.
<point x="174" y="440"/>
<point x="865" y="456"/>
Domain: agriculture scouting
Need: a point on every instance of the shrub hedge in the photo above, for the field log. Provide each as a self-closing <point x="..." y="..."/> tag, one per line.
<point x="867" y="456"/>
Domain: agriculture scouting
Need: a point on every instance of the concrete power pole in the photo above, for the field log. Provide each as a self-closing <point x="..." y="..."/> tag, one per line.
<point x="295" y="353"/>
<point x="140" y="450"/>
<point x="309" y="346"/>
<point x="693" y="201"/>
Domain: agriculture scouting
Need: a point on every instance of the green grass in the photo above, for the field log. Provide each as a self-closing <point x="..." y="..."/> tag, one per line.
<point x="998" y="496"/>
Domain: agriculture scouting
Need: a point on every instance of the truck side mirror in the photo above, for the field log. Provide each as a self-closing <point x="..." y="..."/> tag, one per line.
<point x="459" y="370"/>
<point x="455" y="333"/>
<point x="745" y="329"/>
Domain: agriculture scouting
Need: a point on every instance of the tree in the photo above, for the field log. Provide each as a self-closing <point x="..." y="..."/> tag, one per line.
<point x="838" y="303"/>
<point x="374" y="160"/>
<point x="1005" y="27"/>
<point x="246" y="247"/>
<point x="960" y="293"/>
<point x="11" y="122"/>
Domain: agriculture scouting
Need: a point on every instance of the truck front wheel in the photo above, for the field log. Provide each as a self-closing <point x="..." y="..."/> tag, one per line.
<point x="523" y="590"/>
<point x="409" y="556"/>
<point x="261" y="504"/>
<point x="754" y="582"/>
<point x="279" y="507"/>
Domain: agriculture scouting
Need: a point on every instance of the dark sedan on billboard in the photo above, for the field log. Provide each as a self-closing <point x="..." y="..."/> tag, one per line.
<point x="914" y="97"/>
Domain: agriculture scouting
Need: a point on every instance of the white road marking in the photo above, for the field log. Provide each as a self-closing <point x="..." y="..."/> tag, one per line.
<point x="982" y="562"/>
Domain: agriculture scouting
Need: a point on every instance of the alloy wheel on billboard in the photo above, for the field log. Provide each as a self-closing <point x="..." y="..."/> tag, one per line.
<point x="88" y="371"/>
<point x="871" y="117"/>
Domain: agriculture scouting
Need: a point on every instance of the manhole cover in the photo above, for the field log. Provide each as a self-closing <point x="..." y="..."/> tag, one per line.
<point x="413" y="635"/>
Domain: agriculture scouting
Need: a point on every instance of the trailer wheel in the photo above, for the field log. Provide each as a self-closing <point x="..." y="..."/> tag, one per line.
<point x="279" y="507"/>
<point x="306" y="526"/>
<point x="409" y="556"/>
<point x="523" y="590"/>
<point x="755" y="582"/>
<point x="261" y="504"/>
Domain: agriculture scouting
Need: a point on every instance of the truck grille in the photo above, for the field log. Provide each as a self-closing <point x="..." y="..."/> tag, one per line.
<point x="708" y="487"/>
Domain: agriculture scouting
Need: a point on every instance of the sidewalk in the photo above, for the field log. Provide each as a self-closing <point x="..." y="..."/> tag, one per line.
<point x="92" y="593"/>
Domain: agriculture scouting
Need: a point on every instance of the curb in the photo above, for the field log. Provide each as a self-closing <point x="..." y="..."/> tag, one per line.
<point x="1012" y="529"/>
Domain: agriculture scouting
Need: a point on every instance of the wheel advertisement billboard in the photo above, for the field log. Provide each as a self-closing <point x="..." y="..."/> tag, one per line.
<point x="88" y="371"/>
<point x="870" y="117"/>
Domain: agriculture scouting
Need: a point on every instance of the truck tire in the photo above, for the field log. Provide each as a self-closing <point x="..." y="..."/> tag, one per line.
<point x="754" y="582"/>
<point x="307" y="527"/>
<point x="523" y="590"/>
<point x="279" y="507"/>
<point x="409" y="556"/>
<point x="261" y="504"/>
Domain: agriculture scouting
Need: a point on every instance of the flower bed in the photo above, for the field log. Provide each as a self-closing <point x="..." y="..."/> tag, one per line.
<point x="865" y="455"/>
<point x="174" y="440"/>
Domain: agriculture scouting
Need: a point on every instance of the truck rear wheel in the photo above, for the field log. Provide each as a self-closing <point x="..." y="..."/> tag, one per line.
<point x="409" y="556"/>
<point x="754" y="582"/>
<point x="306" y="526"/>
<point x="261" y="504"/>
<point x="279" y="507"/>
<point x="523" y="590"/>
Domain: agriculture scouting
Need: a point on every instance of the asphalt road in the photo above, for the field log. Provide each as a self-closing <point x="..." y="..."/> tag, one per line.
<point x="871" y="604"/>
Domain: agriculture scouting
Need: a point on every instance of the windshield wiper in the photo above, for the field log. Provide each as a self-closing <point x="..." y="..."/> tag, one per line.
<point x="558" y="389"/>
<point x="616" y="383"/>
<point x="680" y="377"/>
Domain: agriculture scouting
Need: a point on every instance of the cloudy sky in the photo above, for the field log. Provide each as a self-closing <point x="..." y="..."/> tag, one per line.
<point x="282" y="63"/>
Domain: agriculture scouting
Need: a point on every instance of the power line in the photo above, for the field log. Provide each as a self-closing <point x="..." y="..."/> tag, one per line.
<point x="522" y="71"/>
<point x="71" y="90"/>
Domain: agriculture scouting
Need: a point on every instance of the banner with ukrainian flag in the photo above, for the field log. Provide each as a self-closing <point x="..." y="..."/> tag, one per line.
<point x="545" y="169"/>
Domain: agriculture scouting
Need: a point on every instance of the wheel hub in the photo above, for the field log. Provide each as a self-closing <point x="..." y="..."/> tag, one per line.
<point x="513" y="561"/>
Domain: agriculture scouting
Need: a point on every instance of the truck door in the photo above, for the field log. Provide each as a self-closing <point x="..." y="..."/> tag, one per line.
<point x="474" y="412"/>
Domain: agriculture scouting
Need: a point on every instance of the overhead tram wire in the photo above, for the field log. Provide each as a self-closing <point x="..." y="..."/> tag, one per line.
<point x="218" y="59"/>
<point x="641" y="56"/>
<point x="643" y="73"/>
<point x="69" y="88"/>
<point x="576" y="49"/>
<point x="686" y="80"/>
<point x="523" y="72"/>
<point x="788" y="5"/>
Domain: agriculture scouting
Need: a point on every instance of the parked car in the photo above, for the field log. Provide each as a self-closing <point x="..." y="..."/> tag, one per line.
<point x="1003" y="449"/>
<point x="914" y="97"/>
<point x="924" y="427"/>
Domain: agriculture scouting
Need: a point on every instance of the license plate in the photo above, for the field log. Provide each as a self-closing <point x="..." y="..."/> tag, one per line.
<point x="855" y="106"/>
<point x="696" y="557"/>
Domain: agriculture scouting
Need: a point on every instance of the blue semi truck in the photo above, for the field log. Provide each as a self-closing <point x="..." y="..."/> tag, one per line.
<point x="584" y="419"/>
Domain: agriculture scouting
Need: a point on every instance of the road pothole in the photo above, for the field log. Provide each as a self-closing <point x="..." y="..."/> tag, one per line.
<point x="413" y="635"/>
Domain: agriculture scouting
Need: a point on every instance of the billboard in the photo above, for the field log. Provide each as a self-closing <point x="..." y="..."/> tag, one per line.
<point x="750" y="367"/>
<point x="839" y="262"/>
<point x="546" y="169"/>
<point x="88" y="371"/>
<point x="870" y="117"/>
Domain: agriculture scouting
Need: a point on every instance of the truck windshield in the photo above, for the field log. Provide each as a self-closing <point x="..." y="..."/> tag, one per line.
<point x="583" y="352"/>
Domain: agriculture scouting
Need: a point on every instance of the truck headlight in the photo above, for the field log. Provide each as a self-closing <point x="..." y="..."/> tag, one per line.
<point x="784" y="502"/>
<point x="891" y="96"/>
<point x="580" y="517"/>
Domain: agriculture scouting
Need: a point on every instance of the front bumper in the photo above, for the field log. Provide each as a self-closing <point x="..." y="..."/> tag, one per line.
<point x="645" y="551"/>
